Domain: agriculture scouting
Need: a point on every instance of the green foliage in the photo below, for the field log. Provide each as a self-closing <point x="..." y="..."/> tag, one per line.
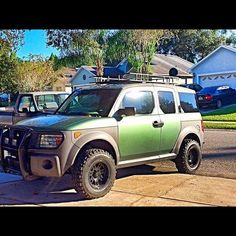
<point x="192" y="45"/>
<point x="138" y="46"/>
<point x="7" y="72"/>
<point x="35" y="74"/>
<point x="80" y="46"/>
<point x="10" y="41"/>
<point x="106" y="46"/>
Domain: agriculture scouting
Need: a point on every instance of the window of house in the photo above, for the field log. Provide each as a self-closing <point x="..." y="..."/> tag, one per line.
<point x="166" y="101"/>
<point x="142" y="101"/>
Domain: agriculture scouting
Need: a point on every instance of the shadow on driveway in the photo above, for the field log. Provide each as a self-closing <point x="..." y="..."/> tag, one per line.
<point x="57" y="190"/>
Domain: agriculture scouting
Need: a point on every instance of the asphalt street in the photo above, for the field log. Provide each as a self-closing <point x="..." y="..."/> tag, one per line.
<point x="219" y="155"/>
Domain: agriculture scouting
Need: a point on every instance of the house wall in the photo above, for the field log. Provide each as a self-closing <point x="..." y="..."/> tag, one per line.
<point x="218" y="69"/>
<point x="79" y="78"/>
<point x="222" y="61"/>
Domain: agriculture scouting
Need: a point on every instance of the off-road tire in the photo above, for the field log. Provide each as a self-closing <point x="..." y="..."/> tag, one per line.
<point x="182" y="162"/>
<point x="83" y="168"/>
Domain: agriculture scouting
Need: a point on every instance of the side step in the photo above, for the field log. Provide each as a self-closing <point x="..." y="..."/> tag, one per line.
<point x="146" y="160"/>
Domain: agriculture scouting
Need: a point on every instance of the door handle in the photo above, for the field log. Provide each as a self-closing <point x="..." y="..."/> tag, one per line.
<point x="157" y="124"/>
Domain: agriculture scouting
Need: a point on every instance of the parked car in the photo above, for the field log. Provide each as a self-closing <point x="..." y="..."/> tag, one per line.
<point x="195" y="87"/>
<point x="105" y="127"/>
<point x="32" y="104"/>
<point x="216" y="96"/>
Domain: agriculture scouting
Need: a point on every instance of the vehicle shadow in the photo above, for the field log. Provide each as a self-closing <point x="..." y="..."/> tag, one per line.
<point x="58" y="190"/>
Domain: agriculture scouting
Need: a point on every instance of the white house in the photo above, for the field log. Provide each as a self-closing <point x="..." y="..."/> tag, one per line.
<point x="218" y="68"/>
<point x="87" y="74"/>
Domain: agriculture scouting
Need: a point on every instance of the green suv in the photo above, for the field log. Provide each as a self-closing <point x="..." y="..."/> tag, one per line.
<point x="104" y="127"/>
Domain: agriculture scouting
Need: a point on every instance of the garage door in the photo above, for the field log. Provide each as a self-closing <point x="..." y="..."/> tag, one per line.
<point x="218" y="80"/>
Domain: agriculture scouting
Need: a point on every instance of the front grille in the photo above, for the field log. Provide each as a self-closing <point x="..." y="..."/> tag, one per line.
<point x="13" y="142"/>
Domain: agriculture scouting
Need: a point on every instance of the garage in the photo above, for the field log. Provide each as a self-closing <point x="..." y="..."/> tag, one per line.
<point x="218" y="80"/>
<point x="216" y="69"/>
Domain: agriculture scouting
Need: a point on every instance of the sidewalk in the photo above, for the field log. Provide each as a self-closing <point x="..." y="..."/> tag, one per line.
<point x="136" y="190"/>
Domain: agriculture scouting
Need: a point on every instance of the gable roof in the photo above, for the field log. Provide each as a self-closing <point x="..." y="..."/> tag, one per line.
<point x="108" y="71"/>
<point x="213" y="52"/>
<point x="162" y="63"/>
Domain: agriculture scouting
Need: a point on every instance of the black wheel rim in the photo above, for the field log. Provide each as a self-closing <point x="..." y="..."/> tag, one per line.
<point x="98" y="175"/>
<point x="193" y="157"/>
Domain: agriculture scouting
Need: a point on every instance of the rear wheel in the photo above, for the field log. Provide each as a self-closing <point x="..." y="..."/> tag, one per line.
<point x="93" y="173"/>
<point x="189" y="158"/>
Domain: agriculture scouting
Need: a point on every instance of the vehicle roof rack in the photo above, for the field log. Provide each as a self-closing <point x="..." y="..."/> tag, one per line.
<point x="130" y="81"/>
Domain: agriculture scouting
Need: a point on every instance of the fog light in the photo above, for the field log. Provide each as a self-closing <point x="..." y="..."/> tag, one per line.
<point x="47" y="164"/>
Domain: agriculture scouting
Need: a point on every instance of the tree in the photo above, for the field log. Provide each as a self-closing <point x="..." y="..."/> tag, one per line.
<point x="86" y="45"/>
<point x="10" y="41"/>
<point x="192" y="45"/>
<point x="7" y="71"/>
<point x="138" y="46"/>
<point x="35" y="74"/>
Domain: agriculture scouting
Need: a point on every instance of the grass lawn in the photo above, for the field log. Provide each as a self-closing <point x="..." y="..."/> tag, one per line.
<point x="223" y="118"/>
<point x="222" y="114"/>
<point x="219" y="125"/>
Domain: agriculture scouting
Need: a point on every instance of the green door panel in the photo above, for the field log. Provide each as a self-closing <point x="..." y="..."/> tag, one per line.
<point x="137" y="136"/>
<point x="169" y="132"/>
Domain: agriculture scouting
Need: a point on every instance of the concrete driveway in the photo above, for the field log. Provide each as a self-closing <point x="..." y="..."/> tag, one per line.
<point x="145" y="186"/>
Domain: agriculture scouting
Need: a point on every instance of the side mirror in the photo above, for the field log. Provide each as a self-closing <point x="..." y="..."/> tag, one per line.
<point x="127" y="111"/>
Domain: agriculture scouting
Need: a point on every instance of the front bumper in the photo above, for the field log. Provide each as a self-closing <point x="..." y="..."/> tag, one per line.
<point x="15" y="156"/>
<point x="45" y="165"/>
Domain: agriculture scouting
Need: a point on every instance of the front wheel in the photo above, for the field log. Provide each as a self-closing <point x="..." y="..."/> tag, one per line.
<point x="93" y="173"/>
<point x="189" y="158"/>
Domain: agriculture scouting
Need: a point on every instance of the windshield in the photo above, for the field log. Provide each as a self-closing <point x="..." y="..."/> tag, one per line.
<point x="97" y="102"/>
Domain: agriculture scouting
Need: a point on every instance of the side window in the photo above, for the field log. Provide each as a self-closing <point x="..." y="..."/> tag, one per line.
<point x="46" y="101"/>
<point x="188" y="102"/>
<point x="142" y="101"/>
<point x="26" y="104"/>
<point x="167" y="102"/>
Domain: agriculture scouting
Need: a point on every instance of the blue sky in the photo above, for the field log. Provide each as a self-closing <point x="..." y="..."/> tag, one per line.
<point x="35" y="43"/>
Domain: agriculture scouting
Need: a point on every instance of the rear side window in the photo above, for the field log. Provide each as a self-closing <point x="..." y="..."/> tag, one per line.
<point x="188" y="102"/>
<point x="167" y="102"/>
<point x="46" y="101"/>
<point x="142" y="101"/>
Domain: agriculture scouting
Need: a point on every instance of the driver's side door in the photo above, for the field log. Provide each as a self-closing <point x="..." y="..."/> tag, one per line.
<point x="139" y="137"/>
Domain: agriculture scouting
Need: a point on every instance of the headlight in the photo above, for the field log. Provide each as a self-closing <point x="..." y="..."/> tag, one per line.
<point x="50" y="140"/>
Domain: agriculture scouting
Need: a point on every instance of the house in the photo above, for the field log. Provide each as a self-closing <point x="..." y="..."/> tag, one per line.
<point x="218" y="68"/>
<point x="88" y="74"/>
<point x="161" y="65"/>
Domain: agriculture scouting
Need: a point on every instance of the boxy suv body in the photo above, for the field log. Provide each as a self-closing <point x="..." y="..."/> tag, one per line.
<point x="105" y="127"/>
